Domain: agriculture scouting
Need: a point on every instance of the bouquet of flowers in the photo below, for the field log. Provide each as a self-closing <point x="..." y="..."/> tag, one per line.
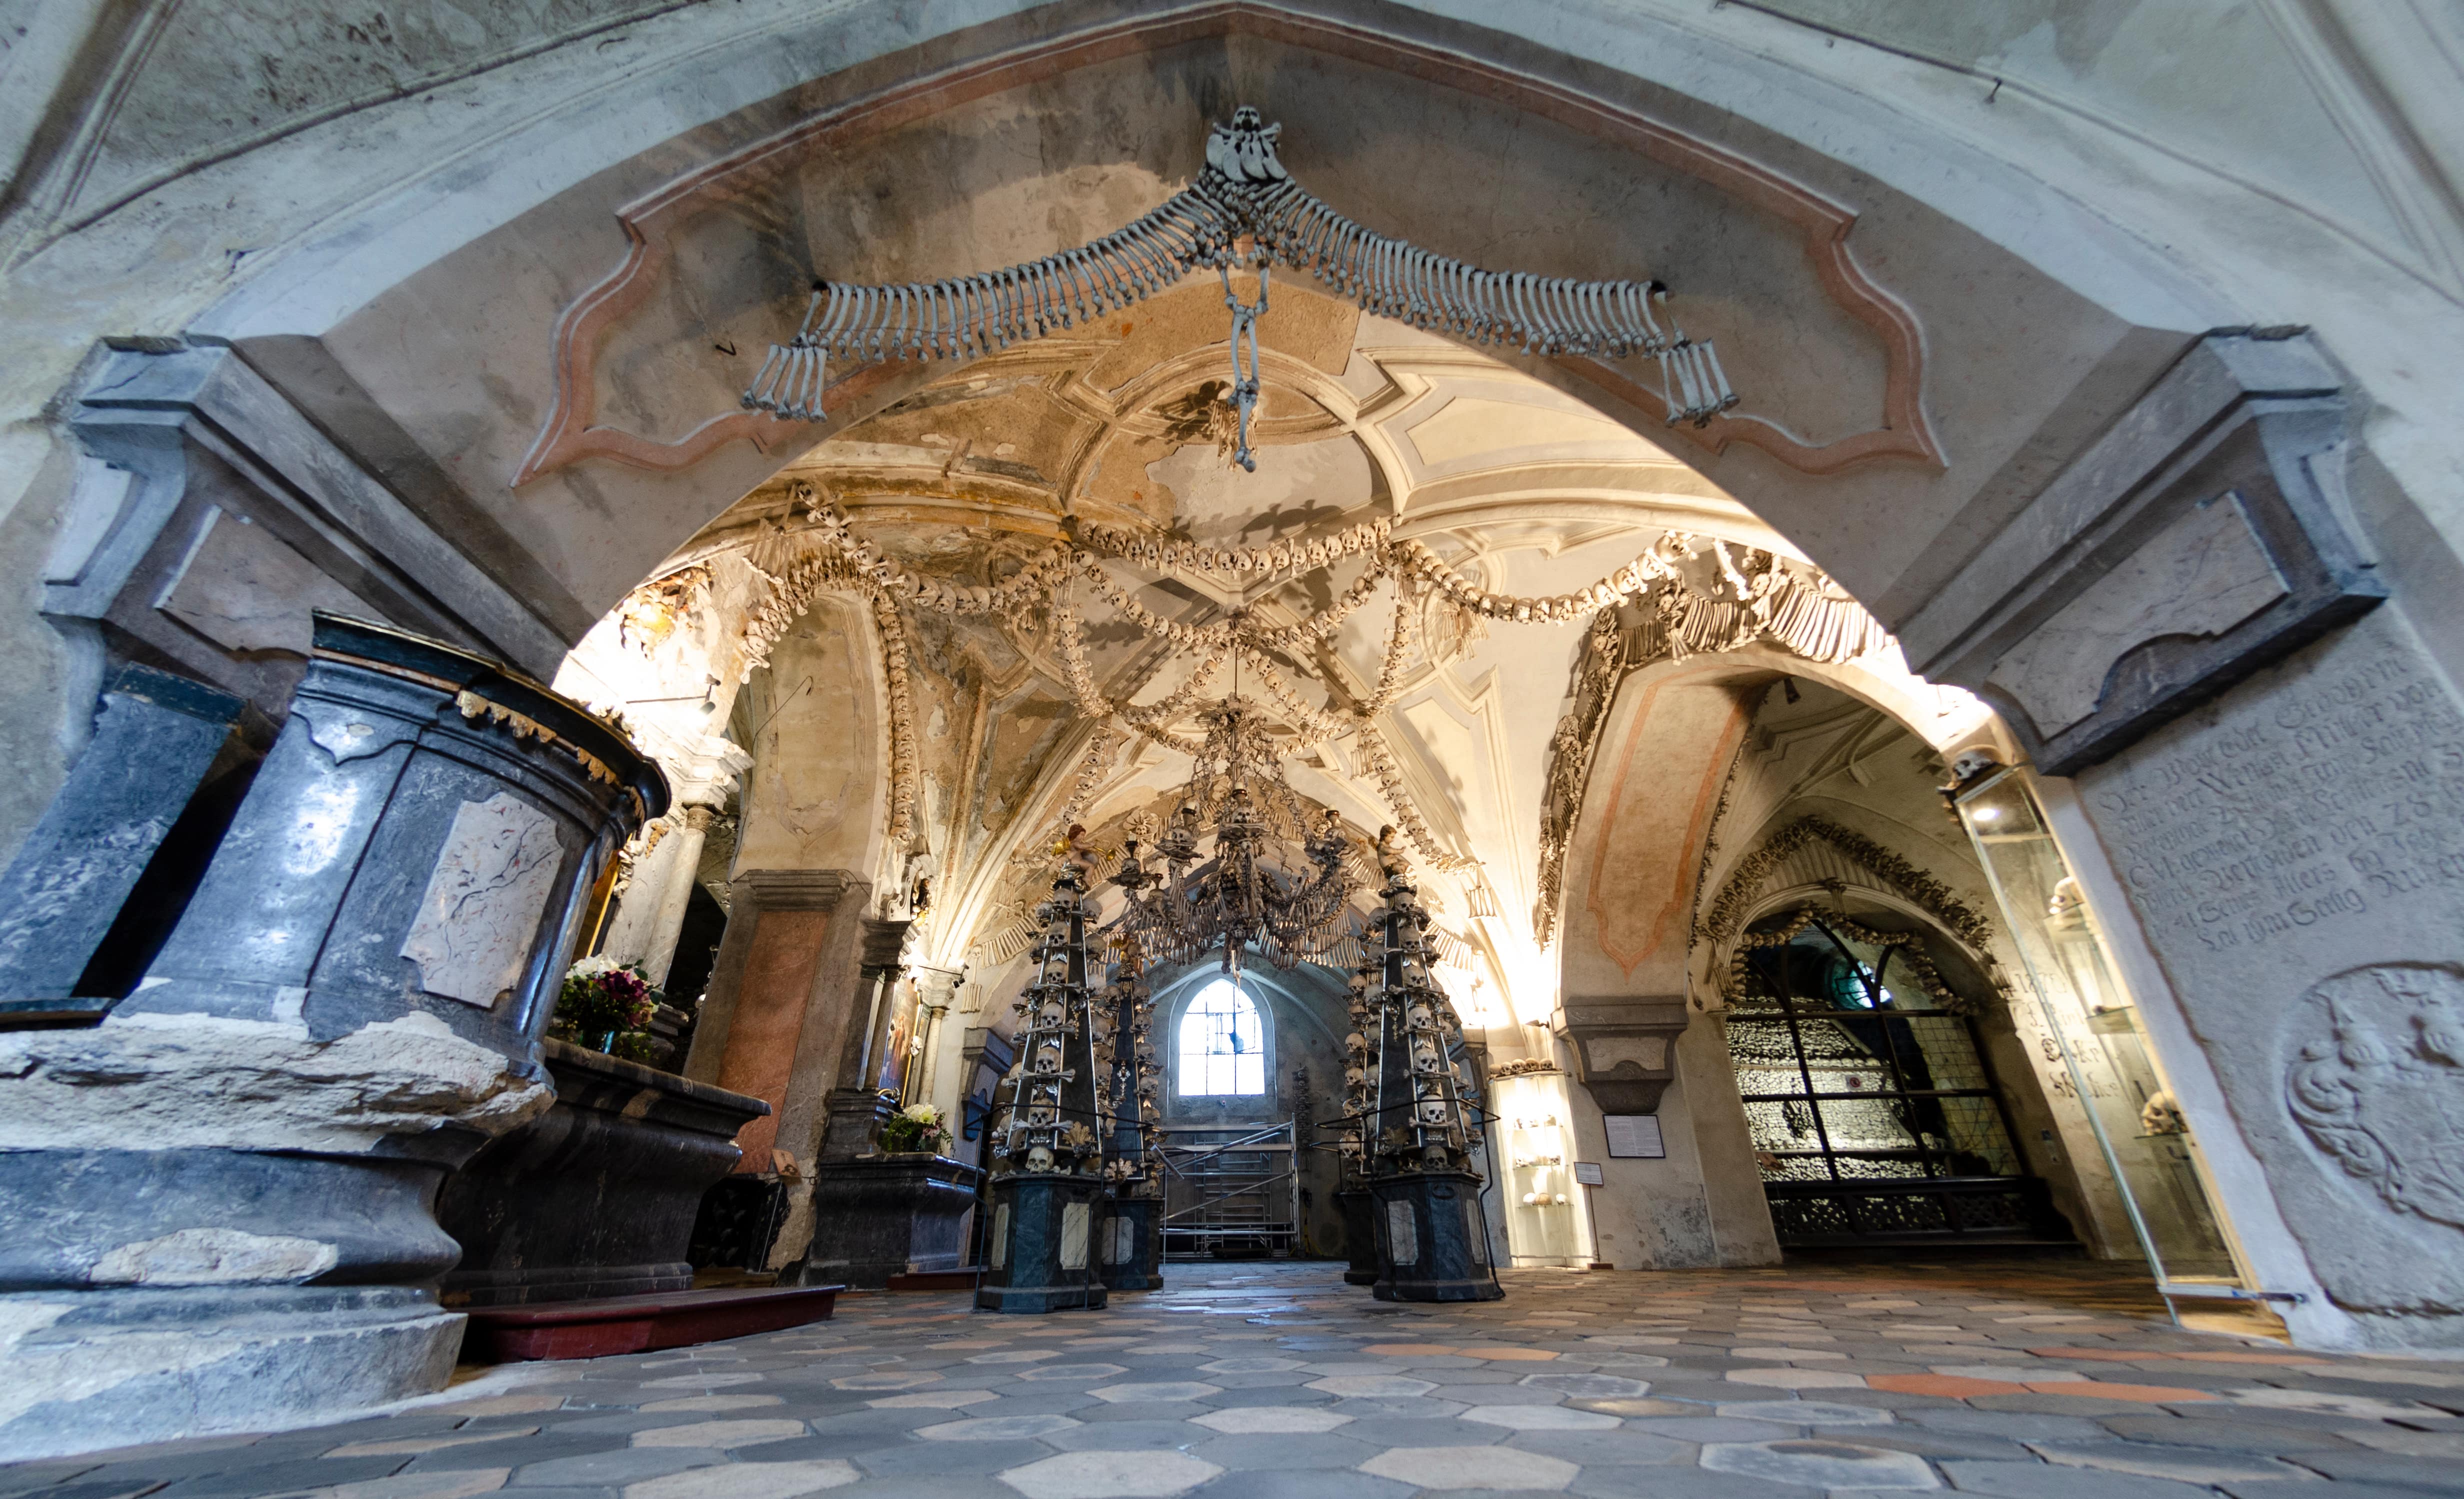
<point x="606" y="1005"/>
<point x="918" y="1126"/>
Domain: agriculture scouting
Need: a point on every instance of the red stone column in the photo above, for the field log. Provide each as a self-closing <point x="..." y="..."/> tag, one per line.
<point x="778" y="1005"/>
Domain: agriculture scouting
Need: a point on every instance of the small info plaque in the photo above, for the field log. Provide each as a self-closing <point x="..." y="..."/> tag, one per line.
<point x="1587" y="1174"/>
<point x="1634" y="1134"/>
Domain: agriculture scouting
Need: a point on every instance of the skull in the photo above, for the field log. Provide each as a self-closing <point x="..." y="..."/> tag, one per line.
<point x="1039" y="1160"/>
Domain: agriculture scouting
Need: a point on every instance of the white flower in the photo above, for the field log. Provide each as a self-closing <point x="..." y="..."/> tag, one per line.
<point x="593" y="966"/>
<point x="921" y="1113"/>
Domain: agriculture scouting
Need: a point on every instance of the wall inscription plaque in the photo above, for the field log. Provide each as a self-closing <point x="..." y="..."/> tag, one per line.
<point x="2295" y="852"/>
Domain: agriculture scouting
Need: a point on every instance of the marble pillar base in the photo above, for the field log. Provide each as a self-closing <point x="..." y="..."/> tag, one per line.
<point x="1131" y="1257"/>
<point x="117" y="1368"/>
<point x="597" y="1197"/>
<point x="880" y="1215"/>
<point x="1432" y="1239"/>
<point x="1359" y="1239"/>
<point x="1042" y="1243"/>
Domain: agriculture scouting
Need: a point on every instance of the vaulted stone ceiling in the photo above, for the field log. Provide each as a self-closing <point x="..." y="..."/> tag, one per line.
<point x="1523" y="489"/>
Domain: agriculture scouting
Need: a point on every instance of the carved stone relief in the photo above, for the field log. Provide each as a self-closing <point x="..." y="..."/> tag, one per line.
<point x="2376" y="1082"/>
<point x="484" y="899"/>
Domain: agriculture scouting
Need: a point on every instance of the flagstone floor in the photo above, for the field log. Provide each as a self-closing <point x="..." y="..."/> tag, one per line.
<point x="2017" y="1380"/>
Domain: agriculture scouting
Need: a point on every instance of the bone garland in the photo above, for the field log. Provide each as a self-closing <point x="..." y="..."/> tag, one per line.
<point x="1092" y="769"/>
<point x="1243" y="210"/>
<point x="1042" y="573"/>
<point x="903" y="765"/>
<point x="787" y="598"/>
<point x="1740" y="971"/>
<point x="1728" y="914"/>
<point x="1148" y="551"/>
<point x="1627" y="582"/>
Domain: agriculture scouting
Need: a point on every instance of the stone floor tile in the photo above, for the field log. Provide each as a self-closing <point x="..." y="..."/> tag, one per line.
<point x="940" y="1458"/>
<point x="275" y="1478"/>
<point x="1618" y="1447"/>
<point x="611" y="1468"/>
<point x="748" y="1481"/>
<point x="1246" y="1452"/>
<point x="411" y="1446"/>
<point x="1257" y="1419"/>
<point x="1821" y="1463"/>
<point x="1935" y="1444"/>
<point x="1370" y="1385"/>
<point x="719" y="1433"/>
<point x="1128" y="1435"/>
<point x="2188" y="1465"/>
<point x="2046" y="1480"/>
<point x="1109" y="1475"/>
<point x="2381" y="1467"/>
<point x="896" y="1380"/>
<point x="2015" y="1425"/>
<point x="2326" y="1402"/>
<point x="1805" y="1413"/>
<point x="1462" y="1467"/>
<point x="1540" y="1418"/>
<point x="1707" y="1427"/>
<point x="1606" y="1481"/>
<point x="1074" y="1372"/>
<point x="1495" y="1394"/>
<point x="1588" y="1386"/>
<point x="930" y="1399"/>
<point x="1249" y="1364"/>
<point x="1302" y="1483"/>
<point x="465" y="1484"/>
<point x="995" y="1428"/>
<point x="711" y="1402"/>
<point x="1176" y="1390"/>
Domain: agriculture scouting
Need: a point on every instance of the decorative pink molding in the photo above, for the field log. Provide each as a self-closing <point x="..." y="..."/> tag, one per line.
<point x="570" y="434"/>
<point x="1732" y="732"/>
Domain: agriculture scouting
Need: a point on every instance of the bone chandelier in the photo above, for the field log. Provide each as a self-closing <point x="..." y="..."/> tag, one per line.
<point x="1244" y="209"/>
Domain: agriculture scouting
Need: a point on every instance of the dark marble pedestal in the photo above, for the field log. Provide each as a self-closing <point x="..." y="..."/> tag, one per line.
<point x="1133" y="1244"/>
<point x="1042" y="1239"/>
<point x="1359" y="1239"/>
<point x="1432" y="1239"/>
<point x="221" y="1199"/>
<point x="879" y="1216"/>
<point x="596" y="1198"/>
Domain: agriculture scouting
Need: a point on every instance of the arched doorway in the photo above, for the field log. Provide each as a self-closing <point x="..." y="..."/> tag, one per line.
<point x="1876" y="1116"/>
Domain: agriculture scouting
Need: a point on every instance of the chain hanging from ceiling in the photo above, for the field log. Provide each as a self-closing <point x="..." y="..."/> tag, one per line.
<point x="1244" y="211"/>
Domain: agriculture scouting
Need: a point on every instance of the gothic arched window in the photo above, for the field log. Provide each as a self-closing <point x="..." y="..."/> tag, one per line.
<point x="1222" y="1043"/>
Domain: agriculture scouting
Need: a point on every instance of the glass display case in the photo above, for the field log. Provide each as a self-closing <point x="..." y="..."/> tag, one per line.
<point x="2108" y="1060"/>
<point x="1547" y="1216"/>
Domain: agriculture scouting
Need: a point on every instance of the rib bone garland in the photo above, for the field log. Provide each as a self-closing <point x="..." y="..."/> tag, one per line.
<point x="1244" y="211"/>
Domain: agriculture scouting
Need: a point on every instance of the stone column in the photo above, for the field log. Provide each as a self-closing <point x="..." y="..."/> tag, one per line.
<point x="865" y="1070"/>
<point x="778" y="995"/>
<point x="937" y="990"/>
<point x="650" y="914"/>
<point x="221" y="1196"/>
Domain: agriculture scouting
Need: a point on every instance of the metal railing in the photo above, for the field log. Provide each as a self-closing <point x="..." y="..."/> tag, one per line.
<point x="1215" y="1199"/>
